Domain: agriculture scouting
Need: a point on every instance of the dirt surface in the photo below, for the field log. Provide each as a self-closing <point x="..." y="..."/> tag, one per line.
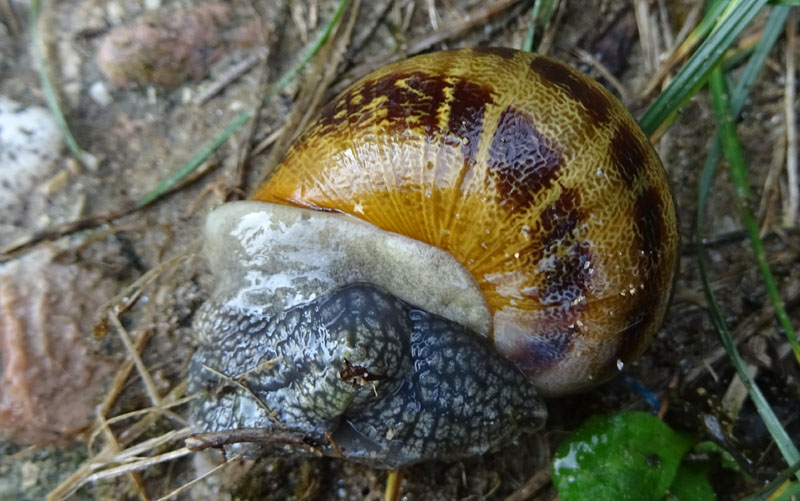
<point x="139" y="127"/>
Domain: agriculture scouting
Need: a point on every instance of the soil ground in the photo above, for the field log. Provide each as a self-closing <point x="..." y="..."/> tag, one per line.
<point x="140" y="133"/>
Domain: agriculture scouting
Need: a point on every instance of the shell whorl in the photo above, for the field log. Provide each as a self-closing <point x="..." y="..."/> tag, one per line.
<point x="525" y="170"/>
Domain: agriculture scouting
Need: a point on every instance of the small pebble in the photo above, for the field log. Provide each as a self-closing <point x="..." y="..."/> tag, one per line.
<point x="98" y="92"/>
<point x="30" y="146"/>
<point x="115" y="12"/>
<point x="167" y="50"/>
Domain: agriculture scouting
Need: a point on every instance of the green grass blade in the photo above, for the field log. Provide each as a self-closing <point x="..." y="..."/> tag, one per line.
<point x="692" y="76"/>
<point x="772" y="31"/>
<point x="320" y="40"/>
<point x="47" y="85"/>
<point x="735" y="155"/>
<point x="773" y="425"/>
<point x="741" y="90"/>
<point x="540" y="16"/>
<point x="704" y="27"/>
<point x="765" y="493"/>
<point x="192" y="164"/>
<point x="785" y="445"/>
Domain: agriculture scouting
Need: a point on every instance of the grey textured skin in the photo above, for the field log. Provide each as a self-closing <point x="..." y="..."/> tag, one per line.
<point x="430" y="388"/>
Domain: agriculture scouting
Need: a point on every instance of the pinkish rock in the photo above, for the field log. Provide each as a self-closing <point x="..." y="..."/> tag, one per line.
<point x="165" y="51"/>
<point x="51" y="376"/>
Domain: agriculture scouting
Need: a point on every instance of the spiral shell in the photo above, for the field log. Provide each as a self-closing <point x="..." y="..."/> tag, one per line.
<point x="530" y="174"/>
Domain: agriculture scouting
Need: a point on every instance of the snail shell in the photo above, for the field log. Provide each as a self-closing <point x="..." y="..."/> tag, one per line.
<point x="453" y="233"/>
<point x="529" y="173"/>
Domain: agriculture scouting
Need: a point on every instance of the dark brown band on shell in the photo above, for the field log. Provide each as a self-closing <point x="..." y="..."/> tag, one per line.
<point x="575" y="85"/>
<point x="523" y="161"/>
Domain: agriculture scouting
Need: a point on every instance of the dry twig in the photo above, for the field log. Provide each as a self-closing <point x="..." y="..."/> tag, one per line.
<point x="228" y="77"/>
<point x="533" y="485"/>
<point x="95" y="220"/>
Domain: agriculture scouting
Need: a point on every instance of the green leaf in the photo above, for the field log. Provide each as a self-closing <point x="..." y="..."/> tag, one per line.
<point x="788" y="492"/>
<point x="693" y="74"/>
<point x="726" y="459"/>
<point x="540" y="17"/>
<point x="691" y="484"/>
<point x="632" y="455"/>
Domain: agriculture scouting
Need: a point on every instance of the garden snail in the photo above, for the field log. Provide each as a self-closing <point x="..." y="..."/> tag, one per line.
<point x="454" y="234"/>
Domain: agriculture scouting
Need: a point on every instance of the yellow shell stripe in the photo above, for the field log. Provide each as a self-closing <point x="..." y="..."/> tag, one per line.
<point x="528" y="172"/>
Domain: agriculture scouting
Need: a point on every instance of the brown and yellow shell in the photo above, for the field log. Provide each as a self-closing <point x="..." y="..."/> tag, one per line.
<point x="531" y="174"/>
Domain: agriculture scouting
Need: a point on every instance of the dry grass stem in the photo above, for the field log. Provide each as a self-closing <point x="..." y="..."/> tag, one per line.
<point x="792" y="202"/>
<point x="111" y="455"/>
<point x="770" y="192"/>
<point x="122" y="374"/>
<point x="8" y="14"/>
<point x="113" y="446"/>
<point x="128" y="297"/>
<point x="132" y="453"/>
<point x="313" y="13"/>
<point x="298" y="18"/>
<point x="190" y="483"/>
<point x="677" y="53"/>
<point x="244" y="148"/>
<point x="549" y="35"/>
<point x="228" y="77"/>
<point x="234" y="381"/>
<point x="736" y="394"/>
<point x="10" y="458"/>
<point x="409" y="13"/>
<point x="267" y="142"/>
<point x="394" y="479"/>
<point x="741" y="333"/>
<point x="138" y="465"/>
<point x="312" y="91"/>
<point x="663" y="18"/>
<point x="93" y="221"/>
<point x="149" y="385"/>
<point x="533" y="485"/>
<point x="432" y="14"/>
<point x="647" y="34"/>
<point x="424" y="43"/>
<point x="605" y="73"/>
<point x="106" y="423"/>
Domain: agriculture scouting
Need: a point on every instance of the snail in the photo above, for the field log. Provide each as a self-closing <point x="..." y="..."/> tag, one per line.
<point x="455" y="236"/>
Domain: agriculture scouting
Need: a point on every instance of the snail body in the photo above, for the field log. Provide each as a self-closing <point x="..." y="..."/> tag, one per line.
<point x="484" y="193"/>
